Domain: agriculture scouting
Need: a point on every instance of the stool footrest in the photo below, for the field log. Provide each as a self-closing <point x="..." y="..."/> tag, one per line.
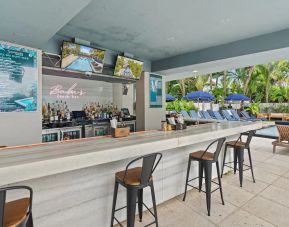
<point x="203" y="190"/>
<point x="194" y="179"/>
<point x="250" y="167"/>
<point x="118" y="222"/>
<point x="120" y="208"/>
<point x="149" y="210"/>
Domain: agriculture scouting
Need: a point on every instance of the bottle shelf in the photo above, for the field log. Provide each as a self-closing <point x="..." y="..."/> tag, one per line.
<point x="53" y="71"/>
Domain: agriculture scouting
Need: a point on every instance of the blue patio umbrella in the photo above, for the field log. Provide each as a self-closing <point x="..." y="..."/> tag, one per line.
<point x="199" y="96"/>
<point x="170" y="98"/>
<point x="237" y="97"/>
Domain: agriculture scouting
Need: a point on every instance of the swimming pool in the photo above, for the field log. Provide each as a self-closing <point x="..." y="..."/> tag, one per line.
<point x="81" y="64"/>
<point x="268" y="132"/>
<point x="27" y="103"/>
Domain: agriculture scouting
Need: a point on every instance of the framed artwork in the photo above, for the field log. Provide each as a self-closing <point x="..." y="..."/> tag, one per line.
<point x="18" y="78"/>
<point x="156" y="91"/>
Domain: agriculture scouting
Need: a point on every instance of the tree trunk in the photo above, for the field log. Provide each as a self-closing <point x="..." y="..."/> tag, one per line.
<point x="211" y="87"/>
<point x="225" y="83"/>
<point x="270" y="69"/>
<point x="211" y="82"/>
<point x="183" y="87"/>
<point x="249" y="77"/>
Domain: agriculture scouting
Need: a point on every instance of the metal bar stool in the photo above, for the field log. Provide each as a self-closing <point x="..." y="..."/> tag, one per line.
<point x="239" y="146"/>
<point x="135" y="180"/>
<point x="206" y="160"/>
<point x="16" y="213"/>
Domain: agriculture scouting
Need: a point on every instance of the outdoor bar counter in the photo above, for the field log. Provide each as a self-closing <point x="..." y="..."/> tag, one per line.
<point x="73" y="181"/>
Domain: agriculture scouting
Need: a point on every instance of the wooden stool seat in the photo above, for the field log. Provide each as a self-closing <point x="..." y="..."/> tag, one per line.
<point x="199" y="155"/>
<point x="15" y="212"/>
<point x="236" y="144"/>
<point x="133" y="176"/>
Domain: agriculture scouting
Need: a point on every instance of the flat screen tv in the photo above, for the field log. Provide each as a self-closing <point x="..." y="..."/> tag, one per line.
<point x="82" y="58"/>
<point x="128" y="68"/>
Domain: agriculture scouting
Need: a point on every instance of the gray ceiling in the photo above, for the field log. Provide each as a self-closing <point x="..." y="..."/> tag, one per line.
<point x="150" y="29"/>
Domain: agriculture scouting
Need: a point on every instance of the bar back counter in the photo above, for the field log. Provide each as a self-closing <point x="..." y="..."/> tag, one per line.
<point x="73" y="181"/>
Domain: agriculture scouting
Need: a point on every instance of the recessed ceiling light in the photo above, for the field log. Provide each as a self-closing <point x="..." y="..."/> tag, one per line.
<point x="225" y="20"/>
<point x="171" y="38"/>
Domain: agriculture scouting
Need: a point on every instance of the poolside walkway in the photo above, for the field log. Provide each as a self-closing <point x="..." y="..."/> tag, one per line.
<point x="265" y="203"/>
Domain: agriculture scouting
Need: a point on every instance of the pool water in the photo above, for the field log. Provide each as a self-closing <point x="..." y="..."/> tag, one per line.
<point x="269" y="132"/>
<point x="27" y="103"/>
<point x="81" y="64"/>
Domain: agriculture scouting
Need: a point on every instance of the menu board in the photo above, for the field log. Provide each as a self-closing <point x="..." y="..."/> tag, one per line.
<point x="18" y="78"/>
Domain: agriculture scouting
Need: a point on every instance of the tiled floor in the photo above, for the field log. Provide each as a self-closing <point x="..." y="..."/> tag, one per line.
<point x="265" y="203"/>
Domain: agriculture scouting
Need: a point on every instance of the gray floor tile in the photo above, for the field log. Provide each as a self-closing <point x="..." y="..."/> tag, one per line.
<point x="277" y="195"/>
<point x="268" y="211"/>
<point x="282" y="182"/>
<point x="242" y="218"/>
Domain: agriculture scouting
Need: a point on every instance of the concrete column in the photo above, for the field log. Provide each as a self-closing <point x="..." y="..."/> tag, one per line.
<point x="148" y="118"/>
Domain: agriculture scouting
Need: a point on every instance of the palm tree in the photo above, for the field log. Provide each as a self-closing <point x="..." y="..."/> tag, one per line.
<point x="211" y="81"/>
<point x="269" y="73"/>
<point x="250" y="71"/>
<point x="201" y="82"/>
<point x="265" y="73"/>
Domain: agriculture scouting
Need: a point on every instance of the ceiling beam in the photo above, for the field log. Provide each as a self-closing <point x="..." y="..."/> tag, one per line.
<point x="186" y="63"/>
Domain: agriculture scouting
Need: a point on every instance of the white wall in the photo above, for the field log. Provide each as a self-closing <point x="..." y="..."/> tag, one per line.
<point x="94" y="91"/>
<point x="124" y="101"/>
<point x="25" y="127"/>
<point x="148" y="118"/>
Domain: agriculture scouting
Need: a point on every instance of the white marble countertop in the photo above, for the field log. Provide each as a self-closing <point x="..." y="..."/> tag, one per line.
<point x="23" y="163"/>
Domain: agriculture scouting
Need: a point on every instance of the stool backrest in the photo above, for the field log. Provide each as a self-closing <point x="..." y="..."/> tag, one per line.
<point x="220" y="143"/>
<point x="249" y="138"/>
<point x="3" y="193"/>
<point x="149" y="164"/>
<point x="218" y="148"/>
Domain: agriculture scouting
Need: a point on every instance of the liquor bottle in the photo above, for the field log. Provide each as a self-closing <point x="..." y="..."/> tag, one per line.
<point x="68" y="115"/>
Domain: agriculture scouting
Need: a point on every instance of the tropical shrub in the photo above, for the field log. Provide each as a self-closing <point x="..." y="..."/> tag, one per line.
<point x="279" y="94"/>
<point x="276" y="108"/>
<point x="179" y="105"/>
<point x="253" y="108"/>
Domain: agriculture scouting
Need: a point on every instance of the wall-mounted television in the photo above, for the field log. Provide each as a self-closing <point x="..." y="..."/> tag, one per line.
<point x="128" y="68"/>
<point x="82" y="58"/>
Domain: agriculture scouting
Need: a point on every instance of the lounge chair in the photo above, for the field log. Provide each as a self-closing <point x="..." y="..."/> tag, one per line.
<point x="195" y="117"/>
<point x="205" y="114"/>
<point x="247" y="117"/>
<point x="218" y="115"/>
<point x="235" y="115"/>
<point x="194" y="114"/>
<point x="228" y="116"/>
<point x="283" y="141"/>
<point x="185" y="114"/>
<point x="211" y="112"/>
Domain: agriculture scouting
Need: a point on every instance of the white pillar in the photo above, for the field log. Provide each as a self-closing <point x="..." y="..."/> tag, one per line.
<point x="148" y="118"/>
